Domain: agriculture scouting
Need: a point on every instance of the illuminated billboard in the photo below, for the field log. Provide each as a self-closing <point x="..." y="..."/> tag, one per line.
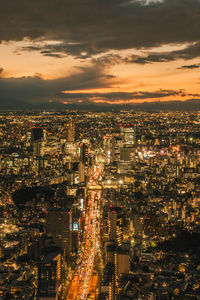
<point x="75" y="226"/>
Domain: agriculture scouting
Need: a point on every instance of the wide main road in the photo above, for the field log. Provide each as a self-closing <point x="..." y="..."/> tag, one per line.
<point x="81" y="281"/>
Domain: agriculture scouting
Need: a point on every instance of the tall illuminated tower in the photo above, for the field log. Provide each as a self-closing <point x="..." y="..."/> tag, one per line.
<point x="115" y="224"/>
<point x="128" y="135"/>
<point x="71" y="131"/>
<point x="84" y="156"/>
<point x="37" y="137"/>
<point x="84" y="161"/>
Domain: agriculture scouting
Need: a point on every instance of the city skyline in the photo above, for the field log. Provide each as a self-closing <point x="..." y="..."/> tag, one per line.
<point x="99" y="205"/>
<point x="98" y="52"/>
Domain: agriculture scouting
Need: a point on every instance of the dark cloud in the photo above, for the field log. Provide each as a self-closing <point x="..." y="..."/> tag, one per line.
<point x="125" y="96"/>
<point x="1" y="72"/>
<point x="48" y="53"/>
<point x="194" y="66"/>
<point x="78" y="50"/>
<point x="35" y="89"/>
<point x="187" y="53"/>
<point x="110" y="60"/>
<point x="91" y="27"/>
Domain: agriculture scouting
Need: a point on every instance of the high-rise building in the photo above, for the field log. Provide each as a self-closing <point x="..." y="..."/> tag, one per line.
<point x="115" y="224"/>
<point x="84" y="162"/>
<point x="36" y="134"/>
<point x="81" y="173"/>
<point x="122" y="264"/>
<point x="84" y="157"/>
<point x="128" y="135"/>
<point x="59" y="227"/>
<point x="37" y="140"/>
<point x="75" y="229"/>
<point x="49" y="276"/>
<point x="109" y="145"/>
<point x="70" y="131"/>
<point x="37" y="137"/>
<point x="111" y="248"/>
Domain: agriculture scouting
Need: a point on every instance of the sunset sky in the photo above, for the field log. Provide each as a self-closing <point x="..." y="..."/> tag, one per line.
<point x="102" y="51"/>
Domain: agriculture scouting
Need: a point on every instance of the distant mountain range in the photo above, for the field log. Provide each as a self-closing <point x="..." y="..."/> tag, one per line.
<point x="188" y="105"/>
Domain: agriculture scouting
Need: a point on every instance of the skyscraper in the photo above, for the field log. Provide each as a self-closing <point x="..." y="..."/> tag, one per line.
<point x="37" y="133"/>
<point x="84" y="154"/>
<point x="128" y="135"/>
<point x="59" y="226"/>
<point x="36" y="137"/>
<point x="84" y="162"/>
<point x="81" y="172"/>
<point x="115" y="224"/>
<point x="70" y="131"/>
<point x="49" y="276"/>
